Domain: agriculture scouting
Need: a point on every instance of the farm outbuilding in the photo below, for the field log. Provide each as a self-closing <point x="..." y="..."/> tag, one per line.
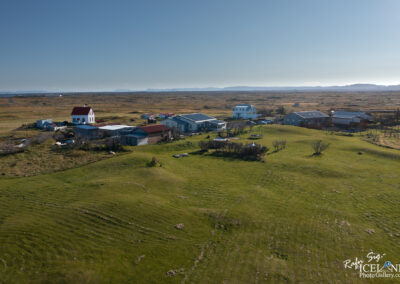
<point x="349" y="118"/>
<point x="245" y="112"/>
<point x="194" y="122"/>
<point x="165" y="115"/>
<point x="43" y="123"/>
<point x="134" y="140"/>
<point x="148" y="116"/>
<point x="56" y="126"/>
<point x="306" y="118"/>
<point x="154" y="133"/>
<point x="88" y="132"/>
<point x="115" y="130"/>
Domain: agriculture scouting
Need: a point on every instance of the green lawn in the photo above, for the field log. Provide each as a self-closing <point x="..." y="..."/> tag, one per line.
<point x="293" y="218"/>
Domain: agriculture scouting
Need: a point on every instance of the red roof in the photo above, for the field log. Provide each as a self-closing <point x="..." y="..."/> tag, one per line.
<point x="81" y="110"/>
<point x="154" y="128"/>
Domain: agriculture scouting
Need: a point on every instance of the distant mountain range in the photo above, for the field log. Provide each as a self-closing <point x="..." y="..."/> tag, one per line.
<point x="346" y="88"/>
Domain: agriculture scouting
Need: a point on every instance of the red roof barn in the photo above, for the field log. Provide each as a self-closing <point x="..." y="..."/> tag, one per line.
<point x="154" y="133"/>
<point x="154" y="128"/>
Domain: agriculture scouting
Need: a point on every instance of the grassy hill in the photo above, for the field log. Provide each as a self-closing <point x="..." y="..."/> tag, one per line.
<point x="293" y="218"/>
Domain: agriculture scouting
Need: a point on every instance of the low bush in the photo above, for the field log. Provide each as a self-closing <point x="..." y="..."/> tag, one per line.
<point x="41" y="138"/>
<point x="319" y="146"/>
<point x="244" y="151"/>
<point x="279" y="145"/>
<point x="154" y="162"/>
<point x="9" y="149"/>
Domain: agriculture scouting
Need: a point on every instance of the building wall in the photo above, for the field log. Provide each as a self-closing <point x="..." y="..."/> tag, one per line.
<point x="133" y="141"/>
<point x="174" y="125"/>
<point x="170" y="123"/>
<point x="40" y="123"/>
<point x="192" y="126"/>
<point x="345" y="121"/>
<point x="292" y="119"/>
<point x="316" y="121"/>
<point x="88" y="119"/>
<point x="214" y="126"/>
<point x="157" y="137"/>
<point x="245" y="115"/>
<point x="245" y="112"/>
<point x="86" y="133"/>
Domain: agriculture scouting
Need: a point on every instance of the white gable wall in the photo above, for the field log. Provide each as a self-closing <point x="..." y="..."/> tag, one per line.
<point x="84" y="119"/>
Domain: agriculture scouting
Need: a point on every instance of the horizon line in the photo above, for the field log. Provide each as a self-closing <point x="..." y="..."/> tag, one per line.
<point x="209" y="88"/>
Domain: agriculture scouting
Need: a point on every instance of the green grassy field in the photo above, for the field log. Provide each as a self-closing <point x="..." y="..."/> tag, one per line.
<point x="293" y="218"/>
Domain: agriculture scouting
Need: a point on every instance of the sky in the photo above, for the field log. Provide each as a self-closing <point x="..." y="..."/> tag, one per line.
<point x="102" y="45"/>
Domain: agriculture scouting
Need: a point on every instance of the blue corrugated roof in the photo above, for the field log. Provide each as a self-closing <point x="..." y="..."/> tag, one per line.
<point x="85" y="126"/>
<point x="179" y="121"/>
<point x="311" y="114"/>
<point x="197" y="117"/>
<point x="350" y="114"/>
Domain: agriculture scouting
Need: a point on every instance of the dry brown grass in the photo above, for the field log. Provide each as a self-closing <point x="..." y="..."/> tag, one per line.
<point x="124" y="106"/>
<point x="40" y="159"/>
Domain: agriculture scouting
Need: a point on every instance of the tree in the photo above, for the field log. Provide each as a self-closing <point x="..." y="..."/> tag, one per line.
<point x="265" y="112"/>
<point x="319" y="146"/>
<point x="281" y="110"/>
<point x="251" y="151"/>
<point x="279" y="145"/>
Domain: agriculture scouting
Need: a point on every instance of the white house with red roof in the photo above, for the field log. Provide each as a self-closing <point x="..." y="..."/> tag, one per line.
<point x="82" y="115"/>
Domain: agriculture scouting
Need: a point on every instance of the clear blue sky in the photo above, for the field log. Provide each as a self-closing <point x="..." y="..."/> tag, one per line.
<point x="105" y="45"/>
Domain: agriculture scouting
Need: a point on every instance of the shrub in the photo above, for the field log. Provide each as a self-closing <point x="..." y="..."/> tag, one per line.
<point x="113" y="145"/>
<point x="250" y="151"/>
<point x="154" y="162"/>
<point x="281" y="110"/>
<point x="279" y="145"/>
<point x="203" y="146"/>
<point x="266" y="112"/>
<point x="41" y="138"/>
<point x="319" y="146"/>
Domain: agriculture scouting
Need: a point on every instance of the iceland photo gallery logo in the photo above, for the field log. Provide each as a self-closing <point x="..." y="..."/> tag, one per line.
<point x="374" y="265"/>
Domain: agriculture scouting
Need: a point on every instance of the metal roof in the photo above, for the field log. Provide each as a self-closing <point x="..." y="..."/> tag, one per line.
<point x="154" y="128"/>
<point x="85" y="126"/>
<point x="350" y="114"/>
<point x="246" y="106"/>
<point x="217" y="121"/>
<point x="178" y="120"/>
<point x="81" y="110"/>
<point x="115" y="127"/>
<point x="311" y="114"/>
<point x="136" y="135"/>
<point x="197" y="117"/>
